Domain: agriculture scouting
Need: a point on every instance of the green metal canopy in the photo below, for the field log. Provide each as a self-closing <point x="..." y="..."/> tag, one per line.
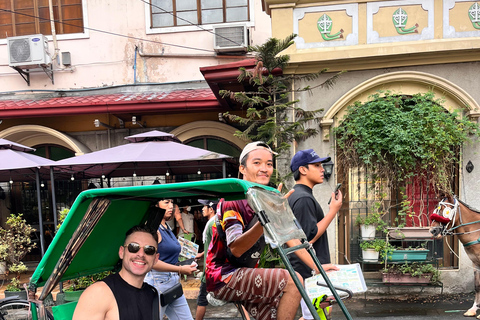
<point x="89" y="239"/>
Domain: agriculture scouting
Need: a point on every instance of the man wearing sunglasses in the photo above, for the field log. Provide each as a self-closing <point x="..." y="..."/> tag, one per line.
<point x="124" y="295"/>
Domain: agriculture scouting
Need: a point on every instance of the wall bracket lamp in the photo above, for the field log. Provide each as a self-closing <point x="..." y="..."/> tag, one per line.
<point x="328" y="167"/>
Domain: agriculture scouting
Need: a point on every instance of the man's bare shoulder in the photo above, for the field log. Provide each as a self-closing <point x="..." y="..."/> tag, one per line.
<point x="97" y="302"/>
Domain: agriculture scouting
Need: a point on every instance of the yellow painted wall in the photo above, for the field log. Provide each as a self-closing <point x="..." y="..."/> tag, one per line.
<point x="307" y="27"/>
<point x="459" y="16"/>
<point x="383" y="23"/>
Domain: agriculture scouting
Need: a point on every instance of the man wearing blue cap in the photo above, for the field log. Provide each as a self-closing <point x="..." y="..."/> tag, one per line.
<point x="307" y="170"/>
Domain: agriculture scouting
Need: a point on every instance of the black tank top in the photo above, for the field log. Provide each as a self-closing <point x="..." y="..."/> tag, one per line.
<point x="133" y="303"/>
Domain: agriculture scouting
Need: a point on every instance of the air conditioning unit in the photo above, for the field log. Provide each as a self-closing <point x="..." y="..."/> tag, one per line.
<point x="27" y="52"/>
<point x="231" y="38"/>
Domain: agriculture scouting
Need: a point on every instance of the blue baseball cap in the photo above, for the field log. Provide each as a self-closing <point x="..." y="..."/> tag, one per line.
<point x="304" y="157"/>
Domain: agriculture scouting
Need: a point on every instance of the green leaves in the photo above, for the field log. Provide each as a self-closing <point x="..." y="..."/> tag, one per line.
<point x="401" y="136"/>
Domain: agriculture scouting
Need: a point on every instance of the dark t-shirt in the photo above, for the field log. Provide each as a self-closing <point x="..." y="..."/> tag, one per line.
<point x="132" y="302"/>
<point x="308" y="213"/>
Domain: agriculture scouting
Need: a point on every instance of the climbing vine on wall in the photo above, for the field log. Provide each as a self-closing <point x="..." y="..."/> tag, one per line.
<point x="397" y="137"/>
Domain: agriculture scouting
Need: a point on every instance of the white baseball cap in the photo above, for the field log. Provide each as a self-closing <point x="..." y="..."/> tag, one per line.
<point x="254" y="146"/>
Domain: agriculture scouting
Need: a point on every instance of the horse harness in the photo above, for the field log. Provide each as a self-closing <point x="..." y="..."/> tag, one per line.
<point x="448" y="216"/>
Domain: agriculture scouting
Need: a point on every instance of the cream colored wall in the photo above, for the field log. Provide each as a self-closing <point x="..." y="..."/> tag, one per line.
<point x="105" y="59"/>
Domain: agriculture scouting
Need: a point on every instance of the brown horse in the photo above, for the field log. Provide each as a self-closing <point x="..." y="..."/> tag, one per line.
<point x="454" y="217"/>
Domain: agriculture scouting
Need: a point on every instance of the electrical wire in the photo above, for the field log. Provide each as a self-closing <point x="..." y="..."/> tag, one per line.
<point x="189" y="22"/>
<point x="109" y="32"/>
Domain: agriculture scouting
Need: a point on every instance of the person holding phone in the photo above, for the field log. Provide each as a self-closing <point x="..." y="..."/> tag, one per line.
<point x="307" y="170"/>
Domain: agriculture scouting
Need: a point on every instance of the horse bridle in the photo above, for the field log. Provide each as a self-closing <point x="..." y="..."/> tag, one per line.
<point x="448" y="216"/>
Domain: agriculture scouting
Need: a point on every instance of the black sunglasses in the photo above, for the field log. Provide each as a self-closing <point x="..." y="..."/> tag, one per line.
<point x="135" y="247"/>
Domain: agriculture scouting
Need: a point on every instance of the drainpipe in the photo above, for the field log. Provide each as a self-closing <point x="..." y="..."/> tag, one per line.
<point x="135" y="66"/>
<point x="52" y="26"/>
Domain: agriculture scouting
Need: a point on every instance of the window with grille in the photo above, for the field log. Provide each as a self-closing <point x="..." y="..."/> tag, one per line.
<point x="24" y="17"/>
<point x="176" y="13"/>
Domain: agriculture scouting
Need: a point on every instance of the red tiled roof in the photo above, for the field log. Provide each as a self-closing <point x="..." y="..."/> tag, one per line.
<point x="117" y="103"/>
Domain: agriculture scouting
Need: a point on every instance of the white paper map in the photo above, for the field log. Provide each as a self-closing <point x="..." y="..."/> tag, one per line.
<point x="349" y="276"/>
<point x="189" y="248"/>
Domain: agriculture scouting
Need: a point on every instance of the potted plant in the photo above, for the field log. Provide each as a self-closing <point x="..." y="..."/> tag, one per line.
<point x="372" y="249"/>
<point x="410" y="273"/>
<point x="408" y="254"/>
<point x="369" y="224"/>
<point x="78" y="285"/>
<point x="17" y="239"/>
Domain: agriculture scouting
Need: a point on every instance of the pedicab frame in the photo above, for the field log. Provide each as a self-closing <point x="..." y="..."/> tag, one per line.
<point x="88" y="240"/>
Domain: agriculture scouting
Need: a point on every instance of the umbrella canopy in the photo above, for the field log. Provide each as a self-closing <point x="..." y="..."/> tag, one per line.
<point x="149" y="153"/>
<point x="94" y="229"/>
<point x="17" y="164"/>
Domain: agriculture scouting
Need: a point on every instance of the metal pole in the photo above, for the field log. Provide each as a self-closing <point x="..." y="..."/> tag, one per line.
<point x="224" y="168"/>
<point x="40" y="219"/>
<point x="54" y="200"/>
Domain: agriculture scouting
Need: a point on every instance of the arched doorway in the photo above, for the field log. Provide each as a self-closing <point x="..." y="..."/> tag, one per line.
<point x="358" y="197"/>
<point x="213" y="136"/>
<point x="21" y="196"/>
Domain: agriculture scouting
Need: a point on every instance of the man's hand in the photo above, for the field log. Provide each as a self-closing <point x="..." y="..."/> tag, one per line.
<point x="337" y="200"/>
<point x="330" y="267"/>
<point x="279" y="188"/>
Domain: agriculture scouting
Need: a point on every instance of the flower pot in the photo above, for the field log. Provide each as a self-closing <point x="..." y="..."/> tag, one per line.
<point x="72" y="295"/>
<point x="370" y="255"/>
<point x="410" y="233"/>
<point x="408" y="255"/>
<point x="20" y="294"/>
<point x="400" y="278"/>
<point x="367" y="231"/>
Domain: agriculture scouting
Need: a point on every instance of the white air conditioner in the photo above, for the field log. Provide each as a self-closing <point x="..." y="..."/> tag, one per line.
<point x="231" y="38"/>
<point x="28" y="51"/>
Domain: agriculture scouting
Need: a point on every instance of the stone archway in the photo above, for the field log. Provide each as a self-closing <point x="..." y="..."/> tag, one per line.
<point x="402" y="82"/>
<point x="32" y="135"/>
<point x="208" y="128"/>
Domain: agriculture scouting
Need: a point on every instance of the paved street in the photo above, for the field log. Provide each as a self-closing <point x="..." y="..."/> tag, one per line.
<point x="437" y="307"/>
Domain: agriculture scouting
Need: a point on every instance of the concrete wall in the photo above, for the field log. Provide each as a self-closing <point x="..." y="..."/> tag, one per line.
<point x="104" y="59"/>
<point x="459" y="74"/>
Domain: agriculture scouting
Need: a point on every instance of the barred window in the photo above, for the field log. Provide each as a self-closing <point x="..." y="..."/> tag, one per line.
<point x="174" y="13"/>
<point x="24" y="17"/>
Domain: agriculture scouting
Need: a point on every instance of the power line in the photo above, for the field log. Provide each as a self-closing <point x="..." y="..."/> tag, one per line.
<point x="108" y="32"/>
<point x="189" y="22"/>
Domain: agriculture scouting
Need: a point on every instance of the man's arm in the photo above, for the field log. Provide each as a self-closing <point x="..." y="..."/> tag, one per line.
<point x="178" y="216"/>
<point x="323" y="224"/>
<point x="96" y="303"/>
<point x="246" y="240"/>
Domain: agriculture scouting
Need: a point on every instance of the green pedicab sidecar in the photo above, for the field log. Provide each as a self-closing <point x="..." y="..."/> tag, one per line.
<point x="88" y="240"/>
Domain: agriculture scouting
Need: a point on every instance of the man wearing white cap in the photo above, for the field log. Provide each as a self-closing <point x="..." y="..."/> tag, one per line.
<point x="237" y="245"/>
<point x="307" y="170"/>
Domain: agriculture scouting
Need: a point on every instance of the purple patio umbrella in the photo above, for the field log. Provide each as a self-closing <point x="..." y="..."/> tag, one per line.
<point x="18" y="165"/>
<point x="147" y="154"/>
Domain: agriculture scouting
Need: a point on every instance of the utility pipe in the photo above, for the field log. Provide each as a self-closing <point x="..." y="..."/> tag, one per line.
<point x="52" y="26"/>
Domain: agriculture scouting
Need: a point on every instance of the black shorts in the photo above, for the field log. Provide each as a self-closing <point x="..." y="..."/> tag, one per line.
<point x="202" y="296"/>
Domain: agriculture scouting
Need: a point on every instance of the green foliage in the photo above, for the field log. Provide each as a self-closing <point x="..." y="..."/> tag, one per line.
<point x="415" y="269"/>
<point x="372" y="219"/>
<point x="270" y="113"/>
<point x="3" y="252"/>
<point x="270" y="259"/>
<point x="83" y="282"/>
<point x="18" y="268"/>
<point x="17" y="237"/>
<point x="376" y="244"/>
<point x="61" y="218"/>
<point x="397" y="137"/>
<point x="14" y="285"/>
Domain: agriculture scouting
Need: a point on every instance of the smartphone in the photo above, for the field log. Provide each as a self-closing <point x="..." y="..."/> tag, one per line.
<point x="339" y="185"/>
